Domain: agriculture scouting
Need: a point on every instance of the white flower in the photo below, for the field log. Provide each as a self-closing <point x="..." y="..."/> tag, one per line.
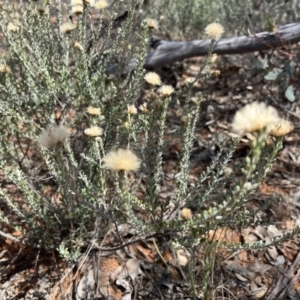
<point x="5" y="69"/>
<point x="53" y="136"/>
<point x="90" y="2"/>
<point x="12" y="27"/>
<point x="189" y="80"/>
<point x="143" y="108"/>
<point x="131" y="109"/>
<point x="214" y="30"/>
<point x="151" y="23"/>
<point x="280" y="128"/>
<point x="67" y="27"/>
<point x="254" y="117"/>
<point x="95" y="111"/>
<point x="166" y="90"/>
<point x="77" y="10"/>
<point x="93" y="131"/>
<point x="76" y="2"/>
<point x="152" y="78"/>
<point x="101" y="4"/>
<point x="122" y="160"/>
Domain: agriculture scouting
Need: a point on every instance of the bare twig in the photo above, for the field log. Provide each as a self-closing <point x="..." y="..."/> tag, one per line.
<point x="10" y="237"/>
<point x="151" y="236"/>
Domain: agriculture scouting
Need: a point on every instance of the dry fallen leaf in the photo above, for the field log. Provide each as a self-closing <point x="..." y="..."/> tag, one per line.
<point x="240" y="277"/>
<point x="262" y="291"/>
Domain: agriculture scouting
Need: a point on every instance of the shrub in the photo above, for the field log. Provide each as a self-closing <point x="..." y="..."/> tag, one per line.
<point x="187" y="20"/>
<point x="78" y="140"/>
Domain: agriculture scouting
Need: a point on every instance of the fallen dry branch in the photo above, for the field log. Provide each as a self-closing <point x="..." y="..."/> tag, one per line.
<point x="167" y="52"/>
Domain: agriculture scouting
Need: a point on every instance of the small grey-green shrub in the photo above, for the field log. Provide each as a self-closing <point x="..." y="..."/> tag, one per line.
<point x="186" y="20"/>
<point x="69" y="124"/>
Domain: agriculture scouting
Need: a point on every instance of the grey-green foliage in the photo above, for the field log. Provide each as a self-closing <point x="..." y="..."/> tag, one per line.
<point x="54" y="77"/>
<point x="183" y="19"/>
<point x="51" y="79"/>
<point x="186" y="20"/>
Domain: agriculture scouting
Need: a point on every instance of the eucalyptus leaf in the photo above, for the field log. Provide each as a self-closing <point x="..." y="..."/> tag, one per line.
<point x="288" y="68"/>
<point x="273" y="75"/>
<point x="260" y="64"/>
<point x="289" y="93"/>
